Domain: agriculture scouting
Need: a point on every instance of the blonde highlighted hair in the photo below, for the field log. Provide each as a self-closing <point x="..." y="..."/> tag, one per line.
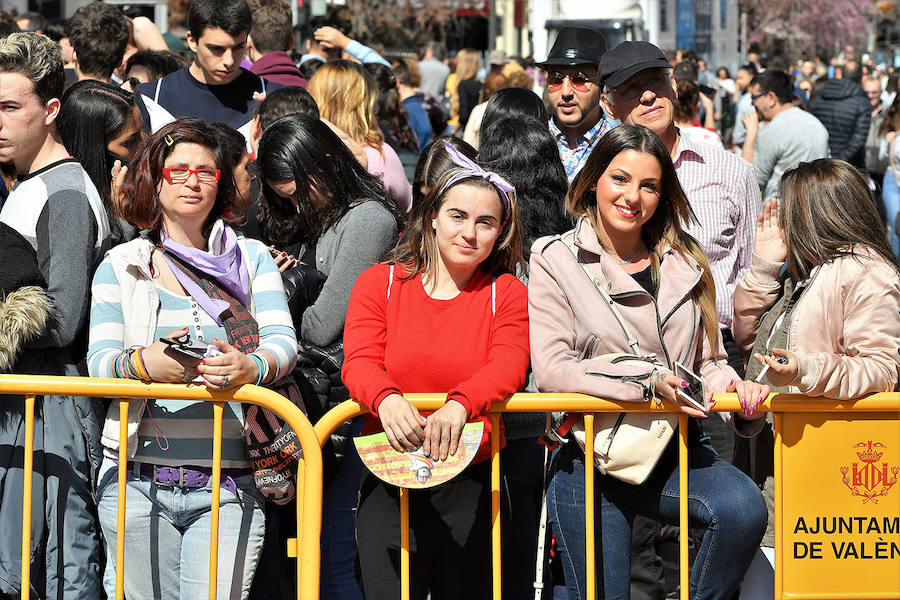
<point x="345" y="94"/>
<point x="664" y="229"/>
<point x="38" y="58"/>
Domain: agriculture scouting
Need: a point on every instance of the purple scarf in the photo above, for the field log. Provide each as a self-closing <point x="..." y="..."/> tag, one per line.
<point x="223" y="263"/>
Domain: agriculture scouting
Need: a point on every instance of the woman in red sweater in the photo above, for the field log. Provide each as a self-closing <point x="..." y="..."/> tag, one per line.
<point x="446" y="314"/>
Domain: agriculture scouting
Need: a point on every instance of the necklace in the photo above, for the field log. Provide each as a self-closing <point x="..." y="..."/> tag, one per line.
<point x="625" y="261"/>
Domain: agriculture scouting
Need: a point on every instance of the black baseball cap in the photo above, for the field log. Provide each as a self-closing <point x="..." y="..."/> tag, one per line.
<point x="626" y="59"/>
<point x="576" y="46"/>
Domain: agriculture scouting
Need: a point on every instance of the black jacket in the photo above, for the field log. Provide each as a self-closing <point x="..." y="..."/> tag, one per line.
<point x="844" y="110"/>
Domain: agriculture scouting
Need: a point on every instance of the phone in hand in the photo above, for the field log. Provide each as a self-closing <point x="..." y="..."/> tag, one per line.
<point x="186" y="347"/>
<point x="695" y="394"/>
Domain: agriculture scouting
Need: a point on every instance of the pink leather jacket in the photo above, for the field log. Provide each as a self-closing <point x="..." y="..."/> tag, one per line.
<point x="845" y="328"/>
<point x="567" y="314"/>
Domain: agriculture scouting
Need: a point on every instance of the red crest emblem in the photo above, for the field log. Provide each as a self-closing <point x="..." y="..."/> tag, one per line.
<point x="867" y="478"/>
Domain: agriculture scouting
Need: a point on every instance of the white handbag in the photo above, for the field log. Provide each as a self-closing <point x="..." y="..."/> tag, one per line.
<point x="626" y="445"/>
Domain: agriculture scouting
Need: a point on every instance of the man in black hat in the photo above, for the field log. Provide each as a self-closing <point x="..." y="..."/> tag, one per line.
<point x="574" y="93"/>
<point x="721" y="187"/>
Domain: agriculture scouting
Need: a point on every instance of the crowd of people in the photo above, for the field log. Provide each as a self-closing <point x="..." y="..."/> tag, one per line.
<point x="610" y="221"/>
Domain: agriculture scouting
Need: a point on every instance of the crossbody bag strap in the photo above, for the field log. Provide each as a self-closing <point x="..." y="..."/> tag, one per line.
<point x="631" y="339"/>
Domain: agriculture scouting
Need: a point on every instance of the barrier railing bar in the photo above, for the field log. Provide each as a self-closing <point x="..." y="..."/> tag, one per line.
<point x="218" y="408"/>
<point x="496" y="533"/>
<point x="777" y="425"/>
<point x="683" y="527"/>
<point x="537" y="402"/>
<point x="309" y="522"/>
<point x="590" y="580"/>
<point x="404" y="543"/>
<point x="27" y="478"/>
<point x="124" y="404"/>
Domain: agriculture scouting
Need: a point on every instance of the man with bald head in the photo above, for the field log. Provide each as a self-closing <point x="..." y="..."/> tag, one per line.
<point x="844" y="110"/>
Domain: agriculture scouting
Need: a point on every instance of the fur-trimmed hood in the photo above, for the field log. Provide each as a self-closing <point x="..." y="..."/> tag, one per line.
<point x="24" y="315"/>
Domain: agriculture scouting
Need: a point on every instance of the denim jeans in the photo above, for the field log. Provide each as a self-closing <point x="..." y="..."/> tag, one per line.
<point x="720" y="498"/>
<point x="339" y="580"/>
<point x="890" y="195"/>
<point x="167" y="537"/>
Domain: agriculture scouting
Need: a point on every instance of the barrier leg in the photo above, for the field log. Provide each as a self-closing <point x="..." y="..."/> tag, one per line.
<point x="404" y="544"/>
<point x="27" y="476"/>
<point x="120" y="499"/>
<point x="496" y="534"/>
<point x="684" y="565"/>
<point x="779" y="551"/>
<point x="590" y="580"/>
<point x="301" y="489"/>
<point x="218" y="408"/>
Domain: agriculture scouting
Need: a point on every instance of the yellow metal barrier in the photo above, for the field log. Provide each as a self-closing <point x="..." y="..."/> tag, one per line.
<point x="778" y="404"/>
<point x="309" y="476"/>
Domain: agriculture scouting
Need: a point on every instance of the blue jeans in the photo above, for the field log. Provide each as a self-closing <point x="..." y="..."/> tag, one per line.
<point x="167" y="537"/>
<point x="339" y="581"/>
<point x="721" y="499"/>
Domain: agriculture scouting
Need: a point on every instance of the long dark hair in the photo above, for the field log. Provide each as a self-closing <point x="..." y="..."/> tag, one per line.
<point x="512" y="102"/>
<point x="524" y="152"/>
<point x="665" y="229"/>
<point x="390" y="113"/>
<point x="303" y="149"/>
<point x="92" y="114"/>
<point x="825" y="210"/>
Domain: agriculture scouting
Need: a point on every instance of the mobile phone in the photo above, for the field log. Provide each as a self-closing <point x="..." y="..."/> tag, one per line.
<point x="695" y="393"/>
<point x="186" y="346"/>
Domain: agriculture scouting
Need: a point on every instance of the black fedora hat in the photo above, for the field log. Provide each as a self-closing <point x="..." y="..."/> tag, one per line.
<point x="576" y="46"/>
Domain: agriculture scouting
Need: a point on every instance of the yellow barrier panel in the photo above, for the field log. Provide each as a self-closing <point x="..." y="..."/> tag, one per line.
<point x="524" y="402"/>
<point x="309" y="478"/>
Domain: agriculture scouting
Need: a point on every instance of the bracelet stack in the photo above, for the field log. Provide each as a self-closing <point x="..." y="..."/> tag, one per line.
<point x="262" y="366"/>
<point x="129" y="364"/>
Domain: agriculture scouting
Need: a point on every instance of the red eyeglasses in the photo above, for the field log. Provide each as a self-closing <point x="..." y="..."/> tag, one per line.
<point x="182" y="174"/>
<point x="579" y="81"/>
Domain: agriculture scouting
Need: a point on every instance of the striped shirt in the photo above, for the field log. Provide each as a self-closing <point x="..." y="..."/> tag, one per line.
<point x="178" y="432"/>
<point x="724" y="195"/>
<point x="574" y="158"/>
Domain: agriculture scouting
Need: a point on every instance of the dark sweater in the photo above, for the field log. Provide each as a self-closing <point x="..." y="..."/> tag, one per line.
<point x="844" y="110"/>
<point x="278" y="67"/>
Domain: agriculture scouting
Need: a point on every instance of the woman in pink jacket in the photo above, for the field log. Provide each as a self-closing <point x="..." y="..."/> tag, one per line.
<point x="629" y="239"/>
<point x="823" y="289"/>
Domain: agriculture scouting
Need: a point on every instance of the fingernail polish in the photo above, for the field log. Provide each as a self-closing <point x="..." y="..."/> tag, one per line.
<point x="284" y="254"/>
<point x="202" y="362"/>
<point x="760" y="399"/>
<point x="743" y="404"/>
<point x="198" y="369"/>
<point x="685" y="384"/>
<point x="731" y="382"/>
<point x="752" y="410"/>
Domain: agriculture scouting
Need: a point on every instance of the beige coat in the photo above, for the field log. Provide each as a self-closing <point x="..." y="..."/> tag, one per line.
<point x="566" y="313"/>
<point x="845" y="328"/>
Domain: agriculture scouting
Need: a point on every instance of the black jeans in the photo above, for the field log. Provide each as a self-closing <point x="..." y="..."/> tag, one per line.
<point x="449" y="538"/>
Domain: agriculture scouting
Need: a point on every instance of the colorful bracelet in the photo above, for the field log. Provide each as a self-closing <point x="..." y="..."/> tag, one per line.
<point x="137" y="363"/>
<point x="261" y="366"/>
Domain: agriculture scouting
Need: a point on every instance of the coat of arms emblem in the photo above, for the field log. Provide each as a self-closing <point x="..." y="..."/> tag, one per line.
<point x="868" y="479"/>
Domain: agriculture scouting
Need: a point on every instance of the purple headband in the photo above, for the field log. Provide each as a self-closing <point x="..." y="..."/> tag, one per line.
<point x="470" y="169"/>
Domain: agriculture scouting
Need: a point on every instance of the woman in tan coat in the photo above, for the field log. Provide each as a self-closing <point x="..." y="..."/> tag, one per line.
<point x="629" y="244"/>
<point x="823" y="290"/>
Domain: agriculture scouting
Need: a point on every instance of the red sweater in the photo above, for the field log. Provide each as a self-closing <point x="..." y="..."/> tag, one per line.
<point x="411" y="343"/>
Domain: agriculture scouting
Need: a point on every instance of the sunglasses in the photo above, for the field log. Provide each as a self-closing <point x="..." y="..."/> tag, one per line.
<point x="181" y="174"/>
<point x="579" y="81"/>
<point x="636" y="89"/>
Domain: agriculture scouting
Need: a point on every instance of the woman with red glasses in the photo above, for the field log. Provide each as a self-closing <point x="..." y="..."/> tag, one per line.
<point x="188" y="267"/>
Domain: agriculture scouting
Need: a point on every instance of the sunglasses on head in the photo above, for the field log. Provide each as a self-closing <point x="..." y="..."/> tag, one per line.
<point x="579" y="80"/>
<point x="182" y="174"/>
